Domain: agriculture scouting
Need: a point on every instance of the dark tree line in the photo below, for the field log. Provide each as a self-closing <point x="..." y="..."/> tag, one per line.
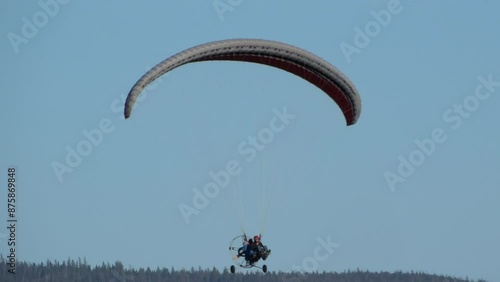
<point x="80" y="270"/>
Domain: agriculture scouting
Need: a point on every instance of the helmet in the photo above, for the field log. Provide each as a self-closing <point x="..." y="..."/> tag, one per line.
<point x="256" y="238"/>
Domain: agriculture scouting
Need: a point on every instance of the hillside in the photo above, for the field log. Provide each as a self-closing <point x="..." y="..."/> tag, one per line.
<point x="71" y="270"/>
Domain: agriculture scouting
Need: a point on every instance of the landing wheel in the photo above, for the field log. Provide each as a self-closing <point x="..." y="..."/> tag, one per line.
<point x="233" y="269"/>
<point x="264" y="268"/>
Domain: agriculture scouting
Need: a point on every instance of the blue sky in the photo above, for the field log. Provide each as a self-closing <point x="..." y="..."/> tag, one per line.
<point x="321" y="179"/>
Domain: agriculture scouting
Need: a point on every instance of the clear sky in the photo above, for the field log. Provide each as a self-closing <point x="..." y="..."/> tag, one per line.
<point x="429" y="73"/>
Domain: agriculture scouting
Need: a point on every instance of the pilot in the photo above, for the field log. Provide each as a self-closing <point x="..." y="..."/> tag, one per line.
<point x="261" y="250"/>
<point x="247" y="250"/>
<point x="257" y="241"/>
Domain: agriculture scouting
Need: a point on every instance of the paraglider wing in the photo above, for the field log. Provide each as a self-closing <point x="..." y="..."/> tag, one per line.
<point x="283" y="56"/>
